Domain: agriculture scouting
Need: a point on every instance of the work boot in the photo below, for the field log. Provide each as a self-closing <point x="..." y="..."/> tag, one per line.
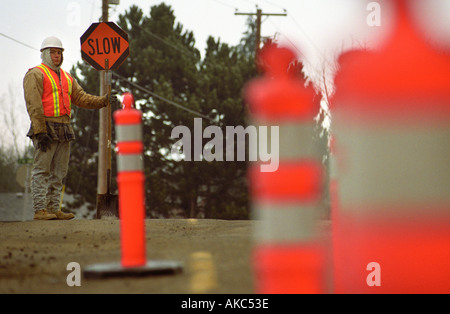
<point x="63" y="216"/>
<point x="43" y="215"/>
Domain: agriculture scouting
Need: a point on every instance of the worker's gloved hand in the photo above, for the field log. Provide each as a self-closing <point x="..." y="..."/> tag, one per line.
<point x="113" y="100"/>
<point x="44" y="141"/>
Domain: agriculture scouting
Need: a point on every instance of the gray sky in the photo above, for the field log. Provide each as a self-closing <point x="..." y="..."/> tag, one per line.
<point x="318" y="28"/>
<point x="312" y="24"/>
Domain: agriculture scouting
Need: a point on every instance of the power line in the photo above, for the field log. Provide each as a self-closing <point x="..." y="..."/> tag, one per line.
<point x="275" y="5"/>
<point x="171" y="44"/>
<point x="161" y="97"/>
<point x="307" y="37"/>
<point x="252" y="2"/>
<point x="225" y="4"/>
<point x="290" y="41"/>
<point x="18" y="41"/>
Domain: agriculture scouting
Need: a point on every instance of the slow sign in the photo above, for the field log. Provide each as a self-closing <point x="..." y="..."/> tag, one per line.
<point x="104" y="46"/>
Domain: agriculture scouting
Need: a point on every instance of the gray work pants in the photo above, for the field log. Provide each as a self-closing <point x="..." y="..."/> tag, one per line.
<point x="49" y="170"/>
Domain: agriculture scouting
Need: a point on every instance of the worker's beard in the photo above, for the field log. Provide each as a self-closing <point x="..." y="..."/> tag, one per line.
<point x="47" y="60"/>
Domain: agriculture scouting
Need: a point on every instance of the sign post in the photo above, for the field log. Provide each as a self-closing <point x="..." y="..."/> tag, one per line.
<point x="105" y="47"/>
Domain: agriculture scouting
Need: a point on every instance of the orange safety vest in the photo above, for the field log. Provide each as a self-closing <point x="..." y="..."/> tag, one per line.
<point x="56" y="97"/>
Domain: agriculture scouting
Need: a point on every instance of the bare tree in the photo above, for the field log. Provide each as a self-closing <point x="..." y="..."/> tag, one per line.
<point x="14" y="126"/>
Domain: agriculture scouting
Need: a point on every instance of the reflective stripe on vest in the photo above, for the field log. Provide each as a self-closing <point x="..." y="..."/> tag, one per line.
<point x="56" y="97"/>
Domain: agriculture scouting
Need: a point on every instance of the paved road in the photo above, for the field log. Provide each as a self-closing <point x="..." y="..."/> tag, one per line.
<point x="215" y="256"/>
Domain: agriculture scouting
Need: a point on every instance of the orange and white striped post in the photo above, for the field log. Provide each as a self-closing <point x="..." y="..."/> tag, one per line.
<point x="130" y="181"/>
<point x="131" y="185"/>
<point x="391" y="119"/>
<point x="287" y="257"/>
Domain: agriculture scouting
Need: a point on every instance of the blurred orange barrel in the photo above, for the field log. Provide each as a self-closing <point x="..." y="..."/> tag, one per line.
<point x="287" y="256"/>
<point x="391" y="121"/>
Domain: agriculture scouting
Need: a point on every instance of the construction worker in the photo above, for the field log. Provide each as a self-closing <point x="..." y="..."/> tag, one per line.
<point x="49" y="93"/>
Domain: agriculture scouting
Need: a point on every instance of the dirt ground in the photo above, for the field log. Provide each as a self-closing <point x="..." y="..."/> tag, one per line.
<point x="214" y="254"/>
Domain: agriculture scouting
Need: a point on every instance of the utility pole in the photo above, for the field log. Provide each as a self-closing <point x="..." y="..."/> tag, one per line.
<point x="104" y="134"/>
<point x="259" y="14"/>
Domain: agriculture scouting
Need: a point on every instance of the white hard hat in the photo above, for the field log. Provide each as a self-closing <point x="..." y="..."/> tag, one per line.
<point x="51" y="42"/>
